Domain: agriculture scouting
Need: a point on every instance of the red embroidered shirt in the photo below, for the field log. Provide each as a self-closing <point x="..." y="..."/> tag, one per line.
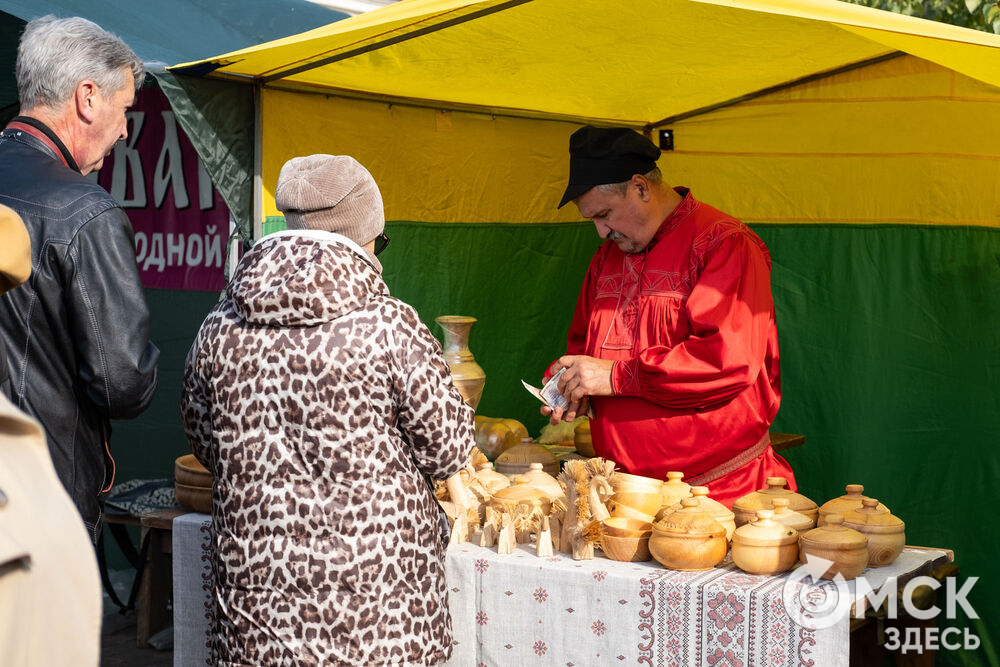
<point x="690" y="325"/>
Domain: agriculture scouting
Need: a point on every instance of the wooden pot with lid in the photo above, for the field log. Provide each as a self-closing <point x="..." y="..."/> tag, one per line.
<point x="885" y="532"/>
<point x="765" y="546"/>
<point x="688" y="539"/>
<point x="847" y="548"/>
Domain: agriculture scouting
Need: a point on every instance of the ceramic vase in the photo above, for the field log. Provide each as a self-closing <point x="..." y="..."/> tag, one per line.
<point x="467" y="375"/>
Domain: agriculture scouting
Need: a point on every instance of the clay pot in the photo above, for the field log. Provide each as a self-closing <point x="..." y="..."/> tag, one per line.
<point x="192" y="484"/>
<point x="491" y="480"/>
<point x="622" y="482"/>
<point x="885" y="532"/>
<point x="746" y="507"/>
<point x="674" y="490"/>
<point x="765" y="546"/>
<point x="540" y="479"/>
<point x="794" y="520"/>
<point x="518" y="459"/>
<point x="466" y="374"/>
<point x="847" y="548"/>
<point x="688" y="539"/>
<point x="647" y="503"/>
<point x="521" y="493"/>
<point x="844" y="504"/>
<point x="494" y="436"/>
<point x="626" y="549"/>
<point x="713" y="508"/>
<point x="623" y="527"/>
<point x="583" y="440"/>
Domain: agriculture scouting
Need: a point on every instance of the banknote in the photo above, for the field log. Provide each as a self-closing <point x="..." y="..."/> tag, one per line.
<point x="549" y="393"/>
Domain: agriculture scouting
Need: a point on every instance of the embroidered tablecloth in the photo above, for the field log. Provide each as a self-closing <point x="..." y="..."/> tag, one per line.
<point x="518" y="609"/>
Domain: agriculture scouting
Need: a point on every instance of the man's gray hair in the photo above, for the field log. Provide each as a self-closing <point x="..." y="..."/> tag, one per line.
<point x="55" y="55"/>
<point x="654" y="176"/>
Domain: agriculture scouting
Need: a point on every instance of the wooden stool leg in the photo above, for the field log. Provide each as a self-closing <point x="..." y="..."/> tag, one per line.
<point x="154" y="591"/>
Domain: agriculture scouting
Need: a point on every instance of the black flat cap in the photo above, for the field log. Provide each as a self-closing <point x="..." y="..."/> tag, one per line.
<point x="600" y="155"/>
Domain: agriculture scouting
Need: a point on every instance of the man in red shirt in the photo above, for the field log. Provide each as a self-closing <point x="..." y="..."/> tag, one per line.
<point x="673" y="344"/>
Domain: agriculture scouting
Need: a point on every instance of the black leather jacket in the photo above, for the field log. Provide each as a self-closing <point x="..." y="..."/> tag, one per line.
<point x="77" y="333"/>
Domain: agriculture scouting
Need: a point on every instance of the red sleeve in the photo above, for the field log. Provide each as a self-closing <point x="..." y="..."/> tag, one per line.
<point x="731" y="312"/>
<point x="576" y="340"/>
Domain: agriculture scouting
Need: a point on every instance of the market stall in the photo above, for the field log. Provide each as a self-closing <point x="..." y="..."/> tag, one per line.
<point x="851" y="141"/>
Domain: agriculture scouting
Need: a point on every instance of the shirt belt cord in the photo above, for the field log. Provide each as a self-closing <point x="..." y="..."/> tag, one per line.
<point x="738" y="461"/>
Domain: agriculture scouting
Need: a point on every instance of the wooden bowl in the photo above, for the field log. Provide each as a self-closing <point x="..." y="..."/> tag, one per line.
<point x="625" y="527"/>
<point x="196" y="498"/>
<point x="626" y="512"/>
<point x="626" y="549"/>
<point x="647" y="503"/>
<point x="188" y="471"/>
<point x="622" y="482"/>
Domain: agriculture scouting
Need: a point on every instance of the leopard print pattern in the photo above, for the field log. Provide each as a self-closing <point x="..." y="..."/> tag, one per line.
<point x="322" y="406"/>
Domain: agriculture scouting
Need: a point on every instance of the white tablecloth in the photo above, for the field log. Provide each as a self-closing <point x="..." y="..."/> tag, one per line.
<point x="519" y="609"/>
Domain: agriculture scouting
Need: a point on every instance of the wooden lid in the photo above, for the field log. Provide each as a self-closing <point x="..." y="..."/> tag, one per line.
<point x="689" y="521"/>
<point x="873" y="517"/>
<point x="834" y="535"/>
<point x="713" y="508"/>
<point x="526" y="453"/>
<point x="765" y="532"/>
<point x="776" y="488"/>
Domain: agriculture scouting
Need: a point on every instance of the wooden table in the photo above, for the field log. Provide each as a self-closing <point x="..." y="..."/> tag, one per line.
<point x="155" y="575"/>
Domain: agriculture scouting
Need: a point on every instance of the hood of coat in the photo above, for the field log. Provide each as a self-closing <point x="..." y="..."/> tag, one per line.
<point x="303" y="278"/>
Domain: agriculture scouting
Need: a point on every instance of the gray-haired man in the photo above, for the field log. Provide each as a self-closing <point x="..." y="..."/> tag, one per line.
<point x="77" y="333"/>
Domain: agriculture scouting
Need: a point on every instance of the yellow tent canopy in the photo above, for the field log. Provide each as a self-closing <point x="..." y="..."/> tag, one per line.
<point x="639" y="63"/>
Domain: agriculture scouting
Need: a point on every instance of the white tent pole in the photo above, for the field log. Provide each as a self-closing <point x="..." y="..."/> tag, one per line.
<point x="257" y="204"/>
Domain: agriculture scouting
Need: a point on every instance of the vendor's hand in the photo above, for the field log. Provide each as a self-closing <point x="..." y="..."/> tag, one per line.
<point x="584" y="376"/>
<point x="569" y="414"/>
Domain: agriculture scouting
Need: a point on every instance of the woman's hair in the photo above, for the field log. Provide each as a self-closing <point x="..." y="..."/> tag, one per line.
<point x="55" y="55"/>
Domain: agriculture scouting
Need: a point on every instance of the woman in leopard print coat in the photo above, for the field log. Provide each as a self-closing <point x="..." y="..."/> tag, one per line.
<point x="322" y="406"/>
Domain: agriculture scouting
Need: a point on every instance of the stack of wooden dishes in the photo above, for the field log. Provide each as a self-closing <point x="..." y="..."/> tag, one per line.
<point x="626" y="539"/>
<point x="635" y="497"/>
<point x="193" y="484"/>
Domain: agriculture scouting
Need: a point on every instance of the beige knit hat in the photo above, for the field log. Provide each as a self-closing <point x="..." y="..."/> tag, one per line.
<point x="334" y="193"/>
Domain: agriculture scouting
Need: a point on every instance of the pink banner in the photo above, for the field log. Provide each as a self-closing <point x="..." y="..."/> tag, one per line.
<point x="181" y="222"/>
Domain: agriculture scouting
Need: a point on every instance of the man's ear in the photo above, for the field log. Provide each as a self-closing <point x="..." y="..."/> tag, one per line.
<point x="641" y="186"/>
<point x="85" y="97"/>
